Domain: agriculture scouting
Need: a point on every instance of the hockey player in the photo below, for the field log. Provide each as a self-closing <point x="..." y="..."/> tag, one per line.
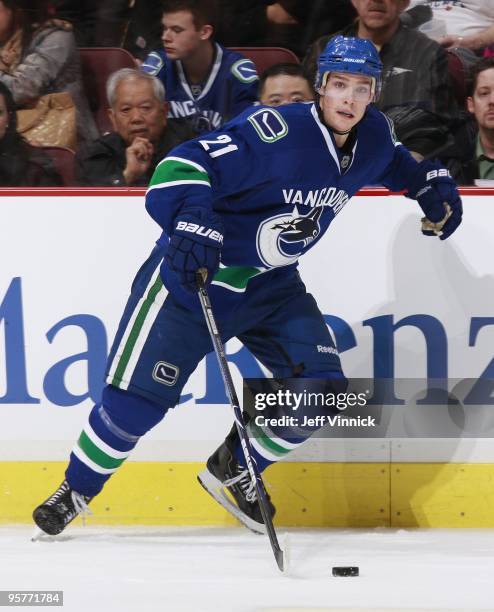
<point x="246" y="202"/>
<point x="203" y="81"/>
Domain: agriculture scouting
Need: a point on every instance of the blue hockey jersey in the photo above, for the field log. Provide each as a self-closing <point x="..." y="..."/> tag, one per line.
<point x="230" y="88"/>
<point x="278" y="180"/>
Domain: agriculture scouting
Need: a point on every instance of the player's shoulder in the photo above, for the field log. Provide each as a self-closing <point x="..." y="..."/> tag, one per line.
<point x="260" y="133"/>
<point x="154" y="62"/>
<point x="239" y="67"/>
<point x="377" y="124"/>
<point x="289" y="125"/>
<point x="284" y="114"/>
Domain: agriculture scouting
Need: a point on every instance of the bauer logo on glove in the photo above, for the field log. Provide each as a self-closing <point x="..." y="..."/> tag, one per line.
<point x="200" y="230"/>
<point x="195" y="243"/>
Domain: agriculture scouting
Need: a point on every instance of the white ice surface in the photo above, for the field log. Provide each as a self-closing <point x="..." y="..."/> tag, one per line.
<point x="232" y="570"/>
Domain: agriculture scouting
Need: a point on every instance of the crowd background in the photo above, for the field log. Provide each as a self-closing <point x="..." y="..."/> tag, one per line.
<point x="430" y="49"/>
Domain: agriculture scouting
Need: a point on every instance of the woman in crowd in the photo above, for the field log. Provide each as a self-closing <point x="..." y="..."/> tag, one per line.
<point x="38" y="55"/>
<point x="20" y="164"/>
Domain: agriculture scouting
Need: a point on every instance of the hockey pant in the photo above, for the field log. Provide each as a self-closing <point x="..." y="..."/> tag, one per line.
<point x="159" y="344"/>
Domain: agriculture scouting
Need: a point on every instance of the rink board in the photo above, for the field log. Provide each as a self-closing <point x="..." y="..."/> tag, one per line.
<point x="305" y="494"/>
<point x="67" y="264"/>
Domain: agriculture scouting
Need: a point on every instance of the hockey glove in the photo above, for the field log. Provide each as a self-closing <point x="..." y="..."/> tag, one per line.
<point x="195" y="243"/>
<point x="438" y="197"/>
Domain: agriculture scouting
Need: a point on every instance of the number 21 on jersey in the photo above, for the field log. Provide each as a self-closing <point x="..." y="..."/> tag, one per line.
<point x="223" y="140"/>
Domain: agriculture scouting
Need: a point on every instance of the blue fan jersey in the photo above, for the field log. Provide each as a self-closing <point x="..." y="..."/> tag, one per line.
<point x="230" y="88"/>
<point x="278" y="180"/>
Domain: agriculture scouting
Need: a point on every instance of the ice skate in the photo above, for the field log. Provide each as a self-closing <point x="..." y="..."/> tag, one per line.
<point x="229" y="483"/>
<point x="54" y="514"/>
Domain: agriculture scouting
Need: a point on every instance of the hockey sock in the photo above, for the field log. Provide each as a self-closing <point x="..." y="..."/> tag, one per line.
<point x="113" y="429"/>
<point x="267" y="448"/>
<point x="98" y="453"/>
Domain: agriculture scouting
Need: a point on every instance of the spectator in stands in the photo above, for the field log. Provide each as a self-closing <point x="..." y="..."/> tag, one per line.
<point x="20" y="164"/>
<point x="83" y="16"/>
<point x="417" y="93"/>
<point x="283" y="84"/>
<point x="38" y="55"/>
<point x="144" y="28"/>
<point x="481" y="104"/>
<point x="296" y="23"/>
<point x="98" y="23"/>
<point x="476" y="140"/>
<point x="142" y="134"/>
<point x="468" y="24"/>
<point x="205" y="82"/>
<point x="247" y="23"/>
<point x="243" y="23"/>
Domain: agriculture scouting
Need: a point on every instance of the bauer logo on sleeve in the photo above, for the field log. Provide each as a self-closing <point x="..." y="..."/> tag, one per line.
<point x="165" y="373"/>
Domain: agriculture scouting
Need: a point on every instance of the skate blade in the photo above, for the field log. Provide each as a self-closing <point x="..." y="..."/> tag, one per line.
<point x="38" y="534"/>
<point x="215" y="488"/>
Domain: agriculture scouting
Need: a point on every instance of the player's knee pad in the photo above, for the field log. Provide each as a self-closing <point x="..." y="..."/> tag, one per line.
<point x="131" y="413"/>
<point x="325" y="403"/>
<point x="304" y="405"/>
<point x="323" y="394"/>
<point x="334" y="378"/>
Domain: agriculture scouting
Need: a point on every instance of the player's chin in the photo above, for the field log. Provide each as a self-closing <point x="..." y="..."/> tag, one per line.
<point x="344" y="122"/>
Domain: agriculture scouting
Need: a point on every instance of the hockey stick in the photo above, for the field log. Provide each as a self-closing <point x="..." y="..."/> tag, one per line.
<point x="219" y="349"/>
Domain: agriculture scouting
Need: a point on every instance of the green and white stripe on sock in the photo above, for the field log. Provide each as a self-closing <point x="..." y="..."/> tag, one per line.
<point x="97" y="454"/>
<point x="136" y="332"/>
<point x="267" y="444"/>
<point x="176" y="171"/>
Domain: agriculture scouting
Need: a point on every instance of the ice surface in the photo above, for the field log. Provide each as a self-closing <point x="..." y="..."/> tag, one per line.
<point x="232" y="570"/>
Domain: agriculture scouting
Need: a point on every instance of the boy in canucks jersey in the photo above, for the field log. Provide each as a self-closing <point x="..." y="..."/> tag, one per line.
<point x="246" y="202"/>
<point x="204" y="82"/>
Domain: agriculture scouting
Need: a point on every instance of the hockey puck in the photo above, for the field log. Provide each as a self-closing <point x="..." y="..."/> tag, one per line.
<point x="345" y="571"/>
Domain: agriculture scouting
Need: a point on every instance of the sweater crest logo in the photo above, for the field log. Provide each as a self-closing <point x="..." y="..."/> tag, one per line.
<point x="282" y="239"/>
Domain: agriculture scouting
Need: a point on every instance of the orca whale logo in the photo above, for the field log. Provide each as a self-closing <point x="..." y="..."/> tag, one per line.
<point x="282" y="239"/>
<point x="301" y="229"/>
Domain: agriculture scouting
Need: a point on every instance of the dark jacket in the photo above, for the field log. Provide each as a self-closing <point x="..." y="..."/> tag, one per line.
<point x="22" y="166"/>
<point x="461" y="157"/>
<point x="417" y="93"/>
<point x="464" y="171"/>
<point x="102" y="162"/>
